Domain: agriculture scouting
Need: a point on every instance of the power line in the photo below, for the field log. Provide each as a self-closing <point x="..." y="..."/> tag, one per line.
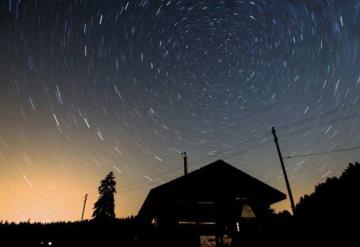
<point x="314" y="117"/>
<point x="323" y="152"/>
<point x="135" y="185"/>
<point x="140" y="184"/>
<point x="249" y="149"/>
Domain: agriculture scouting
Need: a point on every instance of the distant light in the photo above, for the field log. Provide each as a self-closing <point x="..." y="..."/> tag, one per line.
<point x="187" y="223"/>
<point x="237" y="227"/>
<point x="50" y="243"/>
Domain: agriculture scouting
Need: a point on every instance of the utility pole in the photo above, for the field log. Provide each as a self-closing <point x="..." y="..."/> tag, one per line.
<point x="284" y="171"/>
<point x="83" y="211"/>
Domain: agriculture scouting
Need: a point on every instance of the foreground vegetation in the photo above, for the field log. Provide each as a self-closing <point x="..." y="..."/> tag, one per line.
<point x="330" y="213"/>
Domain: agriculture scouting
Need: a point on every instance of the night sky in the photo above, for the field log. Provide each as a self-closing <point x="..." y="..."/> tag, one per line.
<point x="89" y="87"/>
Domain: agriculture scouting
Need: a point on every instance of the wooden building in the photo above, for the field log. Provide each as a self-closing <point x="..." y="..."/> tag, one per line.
<point x="209" y="206"/>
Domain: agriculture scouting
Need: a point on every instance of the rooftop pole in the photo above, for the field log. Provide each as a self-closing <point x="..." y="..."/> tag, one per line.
<point x="184" y="155"/>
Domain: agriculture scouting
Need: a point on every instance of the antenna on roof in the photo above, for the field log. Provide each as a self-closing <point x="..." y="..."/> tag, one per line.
<point x="184" y="155"/>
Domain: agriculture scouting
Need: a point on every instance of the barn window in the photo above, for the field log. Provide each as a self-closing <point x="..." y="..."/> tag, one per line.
<point x="247" y="212"/>
<point x="155" y="221"/>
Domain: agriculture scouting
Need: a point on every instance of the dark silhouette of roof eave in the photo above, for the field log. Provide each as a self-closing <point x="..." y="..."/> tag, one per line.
<point x="213" y="181"/>
<point x="217" y="165"/>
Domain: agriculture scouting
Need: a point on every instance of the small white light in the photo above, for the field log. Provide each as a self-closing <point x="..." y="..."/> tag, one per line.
<point x="50" y="243"/>
<point x="237" y="227"/>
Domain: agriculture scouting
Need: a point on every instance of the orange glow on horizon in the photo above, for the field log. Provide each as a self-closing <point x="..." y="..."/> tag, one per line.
<point x="54" y="194"/>
<point x="32" y="190"/>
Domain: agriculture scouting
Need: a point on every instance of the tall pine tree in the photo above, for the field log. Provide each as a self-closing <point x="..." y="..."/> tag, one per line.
<point x="104" y="207"/>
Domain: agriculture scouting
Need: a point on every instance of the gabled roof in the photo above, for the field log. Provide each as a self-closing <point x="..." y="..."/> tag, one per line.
<point x="216" y="181"/>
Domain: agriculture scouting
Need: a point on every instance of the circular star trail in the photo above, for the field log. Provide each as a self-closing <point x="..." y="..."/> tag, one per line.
<point x="92" y="86"/>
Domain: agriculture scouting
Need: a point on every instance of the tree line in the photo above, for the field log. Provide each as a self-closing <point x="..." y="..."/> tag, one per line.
<point x="330" y="213"/>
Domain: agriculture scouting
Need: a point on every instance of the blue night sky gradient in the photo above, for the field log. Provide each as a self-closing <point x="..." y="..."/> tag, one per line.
<point x="92" y="86"/>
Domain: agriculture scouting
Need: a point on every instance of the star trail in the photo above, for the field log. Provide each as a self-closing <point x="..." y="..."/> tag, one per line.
<point x="87" y="87"/>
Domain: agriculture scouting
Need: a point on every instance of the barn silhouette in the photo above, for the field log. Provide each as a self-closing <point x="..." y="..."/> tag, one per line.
<point x="209" y="206"/>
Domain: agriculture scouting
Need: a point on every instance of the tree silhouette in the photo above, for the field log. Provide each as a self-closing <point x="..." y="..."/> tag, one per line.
<point x="332" y="209"/>
<point x="104" y="207"/>
<point x="333" y="199"/>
